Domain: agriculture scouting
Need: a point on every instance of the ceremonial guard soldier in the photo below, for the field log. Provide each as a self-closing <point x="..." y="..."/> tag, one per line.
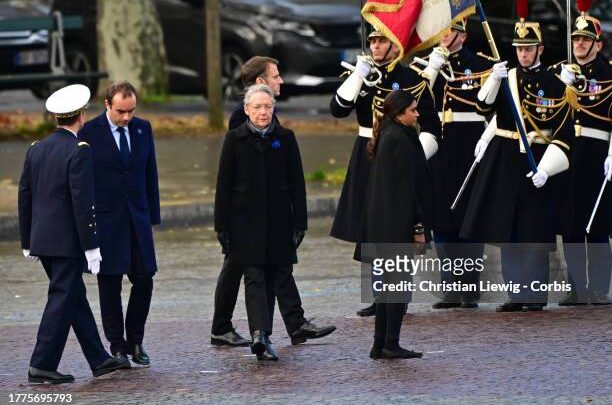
<point x="364" y="90"/>
<point x="589" y="266"/>
<point x="58" y="226"/>
<point x="509" y="203"/>
<point x="455" y="93"/>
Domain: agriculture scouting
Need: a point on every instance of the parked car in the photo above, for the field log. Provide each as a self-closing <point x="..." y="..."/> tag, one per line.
<point x="23" y="51"/>
<point x="309" y="38"/>
<point x="551" y="16"/>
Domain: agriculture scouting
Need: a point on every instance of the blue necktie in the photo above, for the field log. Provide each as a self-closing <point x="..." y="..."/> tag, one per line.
<point x="124" y="149"/>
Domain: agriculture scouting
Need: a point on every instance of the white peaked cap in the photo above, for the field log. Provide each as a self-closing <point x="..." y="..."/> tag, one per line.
<point x="68" y="101"/>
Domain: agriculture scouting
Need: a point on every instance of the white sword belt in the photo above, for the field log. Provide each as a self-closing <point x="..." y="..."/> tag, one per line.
<point x="592" y="133"/>
<point x="452" y="116"/>
<point x="365" y="132"/>
<point x="532" y="136"/>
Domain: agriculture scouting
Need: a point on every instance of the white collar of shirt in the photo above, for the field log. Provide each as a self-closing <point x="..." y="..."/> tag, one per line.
<point x="535" y="66"/>
<point x="116" y="134"/>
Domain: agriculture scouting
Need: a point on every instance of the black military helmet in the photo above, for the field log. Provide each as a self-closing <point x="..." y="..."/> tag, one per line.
<point x="586" y="25"/>
<point x="526" y="33"/>
<point x="459" y="25"/>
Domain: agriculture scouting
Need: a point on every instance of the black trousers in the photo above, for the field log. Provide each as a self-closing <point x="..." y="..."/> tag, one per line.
<point x="523" y="265"/>
<point x="450" y="246"/>
<point x="261" y="284"/>
<point x="388" y="324"/>
<point x="111" y="307"/>
<point x="279" y="283"/>
<point x="66" y="306"/>
<point x="589" y="265"/>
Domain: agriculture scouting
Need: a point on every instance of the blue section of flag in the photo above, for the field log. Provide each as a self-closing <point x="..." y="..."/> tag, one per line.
<point x="458" y="6"/>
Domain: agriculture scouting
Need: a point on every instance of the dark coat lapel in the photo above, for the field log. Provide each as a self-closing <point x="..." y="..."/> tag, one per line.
<point x="108" y="137"/>
<point x="135" y="139"/>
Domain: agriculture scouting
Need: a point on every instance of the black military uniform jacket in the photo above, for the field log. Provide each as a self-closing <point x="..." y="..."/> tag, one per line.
<point x="56" y="197"/>
<point x="261" y="196"/>
<point x="504" y="205"/>
<point x="455" y="100"/>
<point x="592" y="113"/>
<point x="370" y="99"/>
<point x="470" y="72"/>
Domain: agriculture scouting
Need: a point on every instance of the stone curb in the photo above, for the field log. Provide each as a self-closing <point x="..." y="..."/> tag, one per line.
<point x="186" y="215"/>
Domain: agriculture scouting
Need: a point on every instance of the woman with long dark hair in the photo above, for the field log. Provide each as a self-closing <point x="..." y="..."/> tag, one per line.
<point x="396" y="209"/>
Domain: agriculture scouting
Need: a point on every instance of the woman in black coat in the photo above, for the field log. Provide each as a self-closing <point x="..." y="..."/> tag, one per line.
<point x="260" y="207"/>
<point x="397" y="207"/>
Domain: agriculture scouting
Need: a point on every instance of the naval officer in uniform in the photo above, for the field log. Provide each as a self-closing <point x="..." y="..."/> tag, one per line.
<point x="58" y="226"/>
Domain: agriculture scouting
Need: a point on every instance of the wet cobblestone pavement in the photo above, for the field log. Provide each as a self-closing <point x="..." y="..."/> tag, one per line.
<point x="559" y="356"/>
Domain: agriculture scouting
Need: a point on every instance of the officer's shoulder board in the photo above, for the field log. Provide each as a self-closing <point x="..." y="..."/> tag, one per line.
<point x="34" y="143"/>
<point x="83" y="144"/>
<point x="556" y="66"/>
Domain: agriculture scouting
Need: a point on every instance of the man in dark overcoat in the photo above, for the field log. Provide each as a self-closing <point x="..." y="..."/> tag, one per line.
<point x="127" y="208"/>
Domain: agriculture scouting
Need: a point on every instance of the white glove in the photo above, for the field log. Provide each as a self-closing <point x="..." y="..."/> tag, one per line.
<point x="480" y="149"/>
<point x="539" y="179"/>
<point x="436" y="59"/>
<point x="363" y="67"/>
<point x="26" y="254"/>
<point x="93" y="260"/>
<point x="567" y="77"/>
<point x="500" y="70"/>
<point x="608" y="168"/>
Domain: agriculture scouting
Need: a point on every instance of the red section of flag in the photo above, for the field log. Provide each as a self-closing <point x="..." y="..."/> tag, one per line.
<point x="396" y="19"/>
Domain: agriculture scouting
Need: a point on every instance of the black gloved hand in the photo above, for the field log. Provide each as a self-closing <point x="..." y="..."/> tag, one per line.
<point x="224" y="240"/>
<point x="298" y="236"/>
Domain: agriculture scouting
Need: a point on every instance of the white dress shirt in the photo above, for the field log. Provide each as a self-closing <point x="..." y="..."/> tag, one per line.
<point x="117" y="135"/>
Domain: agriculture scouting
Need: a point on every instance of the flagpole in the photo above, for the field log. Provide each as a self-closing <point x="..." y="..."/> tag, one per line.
<point x="569" y="30"/>
<point x="506" y="87"/>
<point x="363" y="29"/>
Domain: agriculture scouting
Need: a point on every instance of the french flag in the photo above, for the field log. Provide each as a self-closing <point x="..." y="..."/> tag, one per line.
<point x="415" y="24"/>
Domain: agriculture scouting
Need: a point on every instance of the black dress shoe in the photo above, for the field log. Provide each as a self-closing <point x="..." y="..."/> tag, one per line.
<point x="111" y="364"/>
<point x="310" y="331"/>
<point x="231" y="338"/>
<point x="262" y="347"/>
<point x="469" y="304"/>
<point x="510" y="307"/>
<point x="38" y="376"/>
<point x="533" y="307"/>
<point x="140" y="357"/>
<point x="367" y="311"/>
<point x="375" y="353"/>
<point x="445" y="305"/>
<point x="399" y="353"/>
<point x="120" y="355"/>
